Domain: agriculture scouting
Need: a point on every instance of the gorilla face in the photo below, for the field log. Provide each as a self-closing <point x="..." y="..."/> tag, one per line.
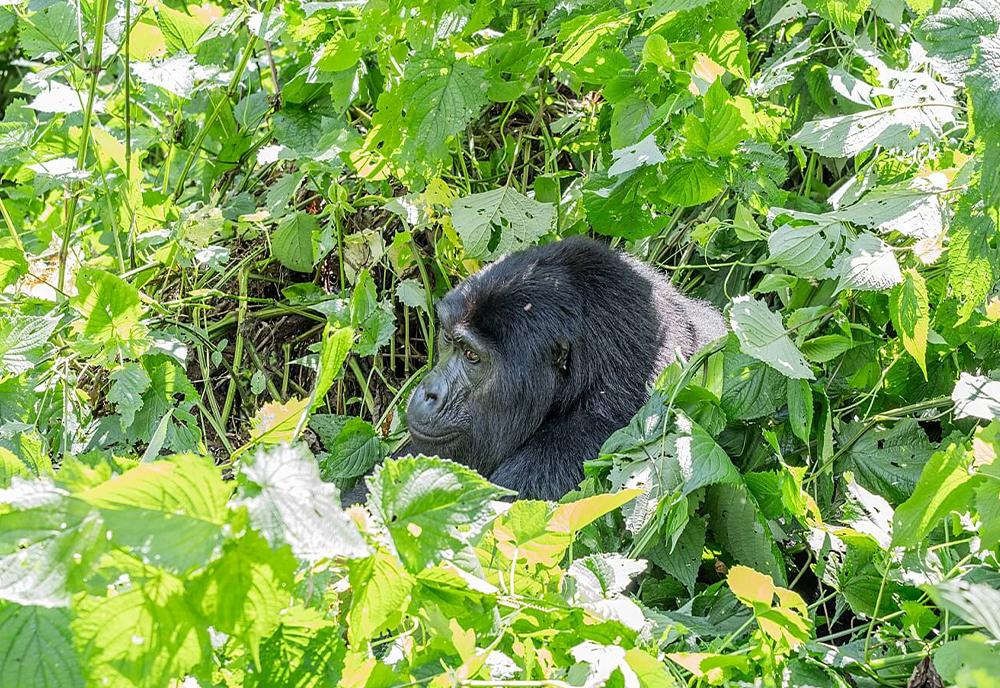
<point x="487" y="394"/>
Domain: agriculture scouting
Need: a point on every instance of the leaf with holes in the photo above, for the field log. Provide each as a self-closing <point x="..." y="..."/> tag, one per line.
<point x="499" y="221"/>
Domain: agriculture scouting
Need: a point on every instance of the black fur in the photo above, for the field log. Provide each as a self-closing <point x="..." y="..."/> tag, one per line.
<point x="568" y="335"/>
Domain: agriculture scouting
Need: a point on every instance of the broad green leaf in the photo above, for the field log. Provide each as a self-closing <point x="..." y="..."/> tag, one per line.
<point x="738" y="525"/>
<point x="48" y="539"/>
<point x="763" y="336"/>
<point x="945" y="485"/>
<point x="690" y="182"/>
<point x="292" y="244"/>
<point x="109" y="326"/>
<point x="52" y="29"/>
<point x="429" y="506"/>
<point x="976" y="396"/>
<point x="806" y="250"/>
<point x="646" y="152"/>
<point x="353" y="446"/>
<point x="973" y="259"/>
<point x="901" y="127"/>
<point x="621" y="206"/>
<point x="180" y="29"/>
<point x="289" y="504"/>
<point x="887" y="462"/>
<point x="977" y="603"/>
<point x="437" y="97"/>
<point x="23" y="340"/>
<point x="910" y="312"/>
<point x="170" y="511"/>
<point x="684" y="560"/>
<point x="11" y="465"/>
<point x="867" y="264"/>
<point x="720" y="128"/>
<point x="128" y="384"/>
<point x="245" y="591"/>
<point x="499" y="221"/>
<point x="305" y="651"/>
<point x="914" y="210"/>
<point x="381" y="592"/>
<point x="146" y="635"/>
<point x="13" y="265"/>
<point x="751" y="388"/>
<point x="952" y="34"/>
<point x="37" y="648"/>
<point x="844" y="14"/>
<point x="278" y="423"/>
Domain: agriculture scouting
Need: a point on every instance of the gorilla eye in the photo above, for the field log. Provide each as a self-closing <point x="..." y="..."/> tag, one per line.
<point x="471" y="356"/>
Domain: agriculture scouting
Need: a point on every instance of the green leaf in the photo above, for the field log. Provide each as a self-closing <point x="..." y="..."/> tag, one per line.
<point x="430" y="506"/>
<point x="719" y="130"/>
<point x="800" y="409"/>
<point x="973" y="259"/>
<point x="867" y="264"/>
<point x="910" y="313"/>
<point x="438" y="96"/>
<point x="945" y="485"/>
<point x="690" y="182"/>
<point x="22" y="341"/>
<point x="976" y="396"/>
<point x="47" y="541"/>
<point x="128" y="384"/>
<point x="180" y="30"/>
<point x="887" y="462"/>
<point x="170" y="511"/>
<point x="109" y="309"/>
<point x="751" y="388"/>
<point x="844" y="14"/>
<point x="740" y="528"/>
<point x="806" y="250"/>
<point x="306" y="652"/>
<point x="500" y="221"/>
<point x="763" y="336"/>
<point x="52" y="29"/>
<point x="951" y="34"/>
<point x="381" y="593"/>
<point x="244" y="592"/>
<point x="337" y="343"/>
<point x="621" y="206"/>
<point x="977" y="603"/>
<point x="292" y="243"/>
<point x="289" y="504"/>
<point x="902" y="127"/>
<point x="352" y="444"/>
<point x="37" y="648"/>
<point x="144" y="635"/>
<point x="13" y="265"/>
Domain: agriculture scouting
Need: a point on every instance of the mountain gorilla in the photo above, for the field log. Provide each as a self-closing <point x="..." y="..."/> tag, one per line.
<point x="545" y="353"/>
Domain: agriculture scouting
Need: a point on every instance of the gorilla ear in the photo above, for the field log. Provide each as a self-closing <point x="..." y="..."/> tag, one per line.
<point x="560" y="356"/>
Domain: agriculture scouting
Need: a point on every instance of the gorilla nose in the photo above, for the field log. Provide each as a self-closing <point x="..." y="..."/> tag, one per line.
<point x="428" y="400"/>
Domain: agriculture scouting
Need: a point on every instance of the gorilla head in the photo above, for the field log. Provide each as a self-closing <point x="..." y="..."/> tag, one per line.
<point x="542" y="355"/>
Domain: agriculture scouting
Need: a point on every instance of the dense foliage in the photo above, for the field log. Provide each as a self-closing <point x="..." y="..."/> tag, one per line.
<point x="223" y="229"/>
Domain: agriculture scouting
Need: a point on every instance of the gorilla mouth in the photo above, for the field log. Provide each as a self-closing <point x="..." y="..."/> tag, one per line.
<point x="433" y="439"/>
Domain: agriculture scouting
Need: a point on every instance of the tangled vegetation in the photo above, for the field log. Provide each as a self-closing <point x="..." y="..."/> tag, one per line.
<point x="224" y="227"/>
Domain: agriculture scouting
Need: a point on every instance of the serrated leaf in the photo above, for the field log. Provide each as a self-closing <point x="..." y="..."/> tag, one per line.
<point x="973" y="259"/>
<point x="806" y="250"/>
<point x="719" y="130"/>
<point x="146" y="635"/>
<point x="170" y="511"/>
<point x="887" y="462"/>
<point x="945" y="485"/>
<point x="52" y="30"/>
<point x="336" y="345"/>
<point x="289" y="504"/>
<point x="499" y="221"/>
<point x="750" y="388"/>
<point x="951" y="34"/>
<point x="690" y="182"/>
<point x="902" y="127"/>
<point x="763" y="336"/>
<point x="22" y="341"/>
<point x="911" y="211"/>
<point x="180" y="29"/>
<point x="800" y="409"/>
<point x="109" y="327"/>
<point x="38" y="648"/>
<point x="352" y="444"/>
<point x="844" y="14"/>
<point x="430" y="506"/>
<point x="621" y="206"/>
<point x="381" y="592"/>
<point x="276" y="423"/>
<point x="292" y="243"/>
<point x="910" y="313"/>
<point x="739" y="526"/>
<point x="646" y="152"/>
<point x="306" y="652"/>
<point x="47" y="541"/>
<point x="977" y="603"/>
<point x="867" y="264"/>
<point x="128" y="384"/>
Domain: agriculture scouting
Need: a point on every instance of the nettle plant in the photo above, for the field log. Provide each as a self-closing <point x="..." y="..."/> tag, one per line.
<point x="222" y="231"/>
